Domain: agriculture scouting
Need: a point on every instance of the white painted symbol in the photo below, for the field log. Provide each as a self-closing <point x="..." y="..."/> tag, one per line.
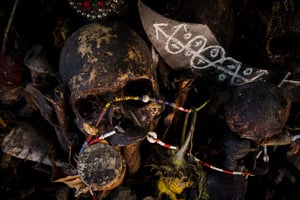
<point x="203" y="56"/>
<point x="286" y="80"/>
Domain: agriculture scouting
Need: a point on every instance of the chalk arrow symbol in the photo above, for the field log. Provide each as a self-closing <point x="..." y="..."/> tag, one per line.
<point x="158" y="29"/>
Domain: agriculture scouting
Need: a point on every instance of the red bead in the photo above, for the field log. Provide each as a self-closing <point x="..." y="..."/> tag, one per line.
<point x="86" y="5"/>
<point x="100" y="3"/>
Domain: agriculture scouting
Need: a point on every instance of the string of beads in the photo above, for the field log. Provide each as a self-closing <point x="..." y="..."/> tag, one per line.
<point x="152" y="136"/>
<point x="144" y="99"/>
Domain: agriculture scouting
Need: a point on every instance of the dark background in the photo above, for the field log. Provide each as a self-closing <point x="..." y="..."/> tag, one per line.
<point x="243" y="30"/>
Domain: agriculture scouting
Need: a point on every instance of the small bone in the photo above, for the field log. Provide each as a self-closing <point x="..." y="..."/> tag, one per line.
<point x="132" y="157"/>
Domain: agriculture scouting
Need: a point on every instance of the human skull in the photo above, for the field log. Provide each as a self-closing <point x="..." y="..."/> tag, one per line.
<point x="101" y="62"/>
<point x="258" y="110"/>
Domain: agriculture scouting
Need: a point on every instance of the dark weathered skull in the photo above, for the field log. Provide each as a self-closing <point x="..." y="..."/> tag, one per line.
<point x="101" y="62"/>
<point x="257" y="110"/>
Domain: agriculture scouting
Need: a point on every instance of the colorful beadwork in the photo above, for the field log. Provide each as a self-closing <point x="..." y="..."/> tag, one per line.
<point x="97" y="9"/>
<point x="152" y="136"/>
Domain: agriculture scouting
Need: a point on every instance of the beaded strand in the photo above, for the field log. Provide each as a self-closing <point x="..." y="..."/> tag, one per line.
<point x="144" y="99"/>
<point x="152" y="138"/>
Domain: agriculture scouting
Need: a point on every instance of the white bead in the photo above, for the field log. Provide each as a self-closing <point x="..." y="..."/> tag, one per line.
<point x="145" y="98"/>
<point x="151" y="137"/>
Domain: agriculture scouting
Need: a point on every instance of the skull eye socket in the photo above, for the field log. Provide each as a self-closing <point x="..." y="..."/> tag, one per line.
<point x="87" y="107"/>
<point x="138" y="88"/>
